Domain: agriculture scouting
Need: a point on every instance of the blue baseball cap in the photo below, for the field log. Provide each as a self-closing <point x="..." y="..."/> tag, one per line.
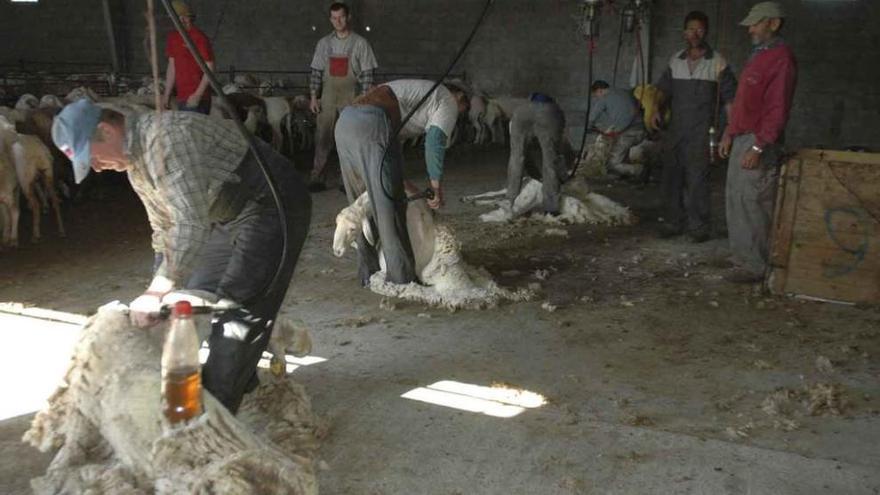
<point x="72" y="133"/>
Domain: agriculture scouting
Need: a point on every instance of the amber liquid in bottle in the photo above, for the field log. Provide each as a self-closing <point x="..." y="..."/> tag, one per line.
<point x="182" y="391"/>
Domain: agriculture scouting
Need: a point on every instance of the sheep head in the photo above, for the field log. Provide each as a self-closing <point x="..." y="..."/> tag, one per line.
<point x="348" y="221"/>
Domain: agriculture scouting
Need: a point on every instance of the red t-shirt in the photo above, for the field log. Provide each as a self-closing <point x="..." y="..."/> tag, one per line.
<point x="187" y="74"/>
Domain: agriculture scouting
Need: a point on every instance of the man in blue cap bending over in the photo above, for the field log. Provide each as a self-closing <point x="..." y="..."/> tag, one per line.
<point x="215" y="225"/>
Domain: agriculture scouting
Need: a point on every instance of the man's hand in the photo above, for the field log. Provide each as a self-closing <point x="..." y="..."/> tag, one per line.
<point x="437" y="202"/>
<point x="724" y="145"/>
<point x="144" y="311"/>
<point x="751" y="159"/>
<point x="656" y="120"/>
<point x="193" y="100"/>
<point x="314" y="105"/>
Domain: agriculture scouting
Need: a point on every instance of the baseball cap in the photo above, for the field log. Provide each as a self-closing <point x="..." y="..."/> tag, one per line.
<point x="72" y="133"/>
<point x="761" y="11"/>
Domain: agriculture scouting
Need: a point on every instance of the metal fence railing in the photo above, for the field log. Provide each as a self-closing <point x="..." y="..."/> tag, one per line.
<point x="58" y="78"/>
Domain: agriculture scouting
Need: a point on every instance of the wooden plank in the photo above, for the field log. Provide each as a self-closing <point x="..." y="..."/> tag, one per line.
<point x="783" y="224"/>
<point x="834" y="233"/>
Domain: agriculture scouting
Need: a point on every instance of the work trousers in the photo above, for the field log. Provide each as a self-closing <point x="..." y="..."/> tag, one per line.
<point x="686" y="192"/>
<point x="362" y="136"/>
<point x="749" y="196"/>
<point x="545" y="122"/>
<point x="238" y="262"/>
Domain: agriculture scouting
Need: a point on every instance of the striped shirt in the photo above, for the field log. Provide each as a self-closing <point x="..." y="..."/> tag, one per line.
<point x="177" y="169"/>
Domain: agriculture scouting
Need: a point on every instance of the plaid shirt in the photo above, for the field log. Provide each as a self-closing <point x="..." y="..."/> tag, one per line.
<point x="178" y="168"/>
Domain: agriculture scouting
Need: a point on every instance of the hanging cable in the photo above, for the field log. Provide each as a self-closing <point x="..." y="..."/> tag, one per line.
<point x="427" y="95"/>
<point x="252" y="145"/>
<point x="580" y="154"/>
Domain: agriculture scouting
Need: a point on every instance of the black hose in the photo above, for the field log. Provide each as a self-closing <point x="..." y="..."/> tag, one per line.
<point x="252" y="145"/>
<point x="577" y="159"/>
<point x="421" y="102"/>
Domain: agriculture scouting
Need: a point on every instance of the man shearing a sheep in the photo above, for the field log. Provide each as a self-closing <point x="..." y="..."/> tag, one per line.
<point x="372" y="161"/>
<point x="215" y="225"/>
<point x="541" y="120"/>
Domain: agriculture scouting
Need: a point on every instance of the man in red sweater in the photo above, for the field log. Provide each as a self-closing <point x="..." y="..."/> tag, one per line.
<point x="754" y="140"/>
<point x="183" y="73"/>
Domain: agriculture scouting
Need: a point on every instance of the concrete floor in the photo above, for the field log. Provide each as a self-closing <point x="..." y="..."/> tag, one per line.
<point x="655" y="370"/>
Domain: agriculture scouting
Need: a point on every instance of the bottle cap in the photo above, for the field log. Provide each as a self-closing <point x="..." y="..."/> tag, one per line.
<point x="182" y="308"/>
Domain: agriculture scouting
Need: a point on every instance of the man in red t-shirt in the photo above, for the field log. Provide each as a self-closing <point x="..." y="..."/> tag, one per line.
<point x="183" y="73"/>
<point x="753" y="140"/>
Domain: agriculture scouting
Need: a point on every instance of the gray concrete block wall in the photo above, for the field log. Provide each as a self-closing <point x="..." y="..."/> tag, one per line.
<point x="524" y="46"/>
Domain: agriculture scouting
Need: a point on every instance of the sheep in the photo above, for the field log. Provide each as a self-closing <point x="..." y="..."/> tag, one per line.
<point x="451" y="282"/>
<point x="33" y="163"/>
<point x="81" y="92"/>
<point x="276" y="108"/>
<point x="13" y="115"/>
<point x="577" y="205"/>
<point x="50" y="101"/>
<point x="39" y="123"/>
<point x="299" y="127"/>
<point x="9" y="207"/>
<point x="27" y="101"/>
<point x="499" y="111"/>
<point x="476" y="116"/>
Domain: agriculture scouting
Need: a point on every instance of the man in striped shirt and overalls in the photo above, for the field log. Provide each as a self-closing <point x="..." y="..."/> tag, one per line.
<point x="343" y="61"/>
<point x="215" y="225"/>
<point x="754" y="141"/>
<point x="693" y="83"/>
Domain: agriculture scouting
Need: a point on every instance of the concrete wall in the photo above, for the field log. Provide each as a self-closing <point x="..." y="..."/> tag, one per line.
<point x="525" y="45"/>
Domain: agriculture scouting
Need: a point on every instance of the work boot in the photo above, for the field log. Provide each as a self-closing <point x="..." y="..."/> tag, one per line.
<point x="668" y="230"/>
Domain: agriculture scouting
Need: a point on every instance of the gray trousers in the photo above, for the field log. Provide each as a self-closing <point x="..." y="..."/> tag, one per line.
<point x="686" y="192"/>
<point x="546" y="123"/>
<point x="238" y="263"/>
<point x="618" y="160"/>
<point x="750" y="195"/>
<point x="362" y="135"/>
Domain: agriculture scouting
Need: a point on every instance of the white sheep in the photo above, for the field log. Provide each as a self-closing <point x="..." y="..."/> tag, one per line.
<point x="450" y="282"/>
<point x="476" y="116"/>
<point x="577" y="205"/>
<point x="9" y="208"/>
<point x="50" y="101"/>
<point x="13" y="115"/>
<point x="81" y="92"/>
<point x="27" y="101"/>
<point x="33" y="168"/>
<point x="499" y="111"/>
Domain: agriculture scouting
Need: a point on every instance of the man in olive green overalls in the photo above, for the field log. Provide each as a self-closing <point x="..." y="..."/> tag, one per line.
<point x="343" y="60"/>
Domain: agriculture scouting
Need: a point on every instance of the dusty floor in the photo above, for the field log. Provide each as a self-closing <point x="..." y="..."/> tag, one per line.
<point x="660" y="376"/>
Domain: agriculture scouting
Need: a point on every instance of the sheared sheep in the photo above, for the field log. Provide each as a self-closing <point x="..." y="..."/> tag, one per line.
<point x="451" y="282"/>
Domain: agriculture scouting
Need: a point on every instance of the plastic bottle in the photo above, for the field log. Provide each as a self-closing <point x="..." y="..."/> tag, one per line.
<point x="713" y="144"/>
<point x="181" y="371"/>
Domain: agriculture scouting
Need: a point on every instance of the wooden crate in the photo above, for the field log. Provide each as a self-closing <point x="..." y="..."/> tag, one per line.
<point x="826" y="230"/>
